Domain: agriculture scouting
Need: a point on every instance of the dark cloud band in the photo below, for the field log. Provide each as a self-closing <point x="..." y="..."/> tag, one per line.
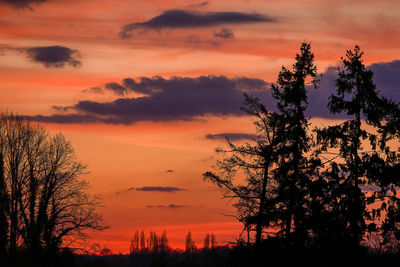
<point x="21" y="3"/>
<point x="183" y="98"/>
<point x="177" y="18"/>
<point x="177" y="98"/>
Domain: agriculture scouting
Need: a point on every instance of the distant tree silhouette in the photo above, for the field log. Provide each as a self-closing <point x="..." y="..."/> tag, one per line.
<point x="155" y="243"/>
<point x="213" y="241"/>
<point x="105" y="251"/>
<point x="210" y="242"/>
<point x="368" y="171"/>
<point x="164" y="242"/>
<point x="190" y="247"/>
<point x="142" y="241"/>
<point x="135" y="247"/>
<point x="3" y="208"/>
<point x="47" y="200"/>
<point x="207" y="242"/>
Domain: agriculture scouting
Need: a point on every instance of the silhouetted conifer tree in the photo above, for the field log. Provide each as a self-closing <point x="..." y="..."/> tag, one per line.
<point x="275" y="166"/>
<point x="294" y="170"/>
<point x="368" y="173"/>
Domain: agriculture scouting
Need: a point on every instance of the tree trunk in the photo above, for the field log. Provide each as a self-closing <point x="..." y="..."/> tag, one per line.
<point x="259" y="226"/>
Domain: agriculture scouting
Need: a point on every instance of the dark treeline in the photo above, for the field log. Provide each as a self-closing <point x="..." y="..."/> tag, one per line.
<point x="154" y="251"/>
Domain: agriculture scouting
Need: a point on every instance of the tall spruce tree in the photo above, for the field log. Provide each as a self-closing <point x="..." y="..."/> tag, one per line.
<point x="294" y="167"/>
<point x="367" y="173"/>
<point x="275" y="166"/>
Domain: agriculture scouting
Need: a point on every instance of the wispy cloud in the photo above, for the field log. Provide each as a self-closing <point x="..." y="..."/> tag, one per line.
<point x="161" y="189"/>
<point x="170" y="206"/>
<point x="178" y="18"/>
<point x="230" y="136"/>
<point x="224" y="33"/>
<point x="199" y="5"/>
<point x="166" y="189"/>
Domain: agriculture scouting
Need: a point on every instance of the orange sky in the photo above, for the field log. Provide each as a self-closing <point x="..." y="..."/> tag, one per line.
<point x="140" y="153"/>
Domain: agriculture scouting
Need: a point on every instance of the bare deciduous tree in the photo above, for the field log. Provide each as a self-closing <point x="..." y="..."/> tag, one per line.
<point x="48" y="203"/>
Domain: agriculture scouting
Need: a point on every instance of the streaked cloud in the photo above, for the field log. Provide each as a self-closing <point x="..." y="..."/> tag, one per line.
<point x="160" y="189"/>
<point x="230" y="136"/>
<point x="170" y="206"/>
<point x="167" y="189"/>
<point x="224" y="33"/>
<point x="199" y="5"/>
<point x="177" y="18"/>
<point x="195" y="40"/>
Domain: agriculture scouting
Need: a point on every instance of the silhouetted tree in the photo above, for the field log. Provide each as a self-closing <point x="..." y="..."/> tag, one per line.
<point x="152" y="242"/>
<point x="275" y="166"/>
<point x="47" y="200"/>
<point x="190" y="247"/>
<point x="213" y="241"/>
<point x="3" y="208"/>
<point x="207" y="242"/>
<point x="142" y="241"/>
<point x="369" y="169"/>
<point x="295" y="169"/>
<point x="210" y="242"/>
<point x="134" y="247"/>
<point x="164" y="242"/>
<point x="254" y="161"/>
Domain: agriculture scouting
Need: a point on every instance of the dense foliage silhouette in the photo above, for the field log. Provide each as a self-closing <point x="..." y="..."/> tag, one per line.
<point x="331" y="188"/>
<point x="368" y="168"/>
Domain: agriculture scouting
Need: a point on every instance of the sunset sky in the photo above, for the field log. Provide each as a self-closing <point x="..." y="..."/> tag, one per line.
<point x="146" y="90"/>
